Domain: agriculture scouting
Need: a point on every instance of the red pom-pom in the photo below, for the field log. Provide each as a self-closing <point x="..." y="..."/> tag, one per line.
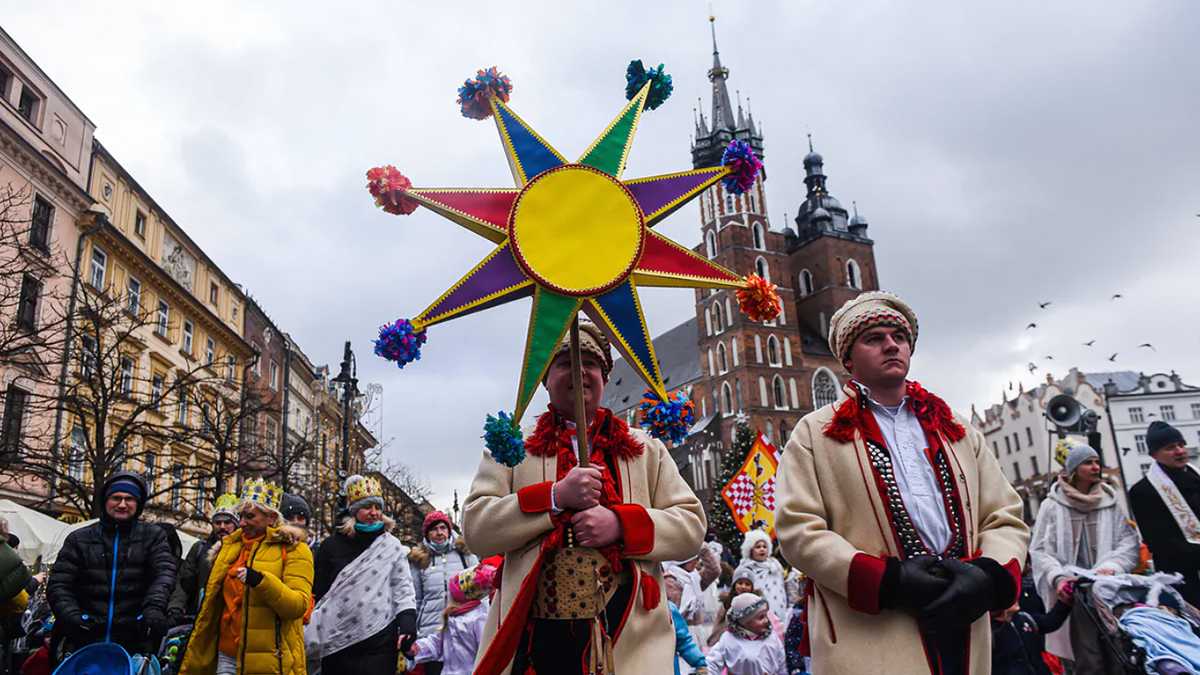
<point x="389" y="187"/>
<point x="759" y="300"/>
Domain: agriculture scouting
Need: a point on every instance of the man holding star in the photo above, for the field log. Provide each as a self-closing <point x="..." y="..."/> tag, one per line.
<point x="630" y="505"/>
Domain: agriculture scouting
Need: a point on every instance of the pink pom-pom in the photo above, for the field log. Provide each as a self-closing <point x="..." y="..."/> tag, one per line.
<point x="389" y="187"/>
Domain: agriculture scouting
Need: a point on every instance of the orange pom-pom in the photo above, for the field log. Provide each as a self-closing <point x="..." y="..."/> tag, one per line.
<point x="388" y="186"/>
<point x="759" y="300"/>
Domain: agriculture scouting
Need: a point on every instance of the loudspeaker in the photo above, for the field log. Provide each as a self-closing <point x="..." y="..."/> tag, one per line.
<point x="1064" y="411"/>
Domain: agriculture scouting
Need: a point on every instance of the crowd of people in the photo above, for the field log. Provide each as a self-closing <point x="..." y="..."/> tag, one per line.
<point x="899" y="547"/>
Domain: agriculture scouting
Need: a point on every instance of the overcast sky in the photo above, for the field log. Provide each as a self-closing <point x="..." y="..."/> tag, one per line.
<point x="1005" y="154"/>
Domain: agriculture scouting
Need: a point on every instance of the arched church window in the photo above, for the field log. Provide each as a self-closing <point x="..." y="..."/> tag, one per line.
<point x="853" y="275"/>
<point x="760" y="268"/>
<point x="726" y="399"/>
<point x="710" y="244"/>
<point x="777" y="393"/>
<point x="806" y="282"/>
<point x="773" y="350"/>
<point x="718" y="320"/>
<point x="760" y="241"/>
<point x="722" y="358"/>
<point x="728" y="203"/>
<point x="824" y="388"/>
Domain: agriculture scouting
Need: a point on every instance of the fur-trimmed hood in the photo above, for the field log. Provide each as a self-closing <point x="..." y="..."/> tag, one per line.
<point x="421" y="555"/>
<point x="285" y="534"/>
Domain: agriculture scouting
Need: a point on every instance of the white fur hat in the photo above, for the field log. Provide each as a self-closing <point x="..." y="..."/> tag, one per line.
<point x="751" y="538"/>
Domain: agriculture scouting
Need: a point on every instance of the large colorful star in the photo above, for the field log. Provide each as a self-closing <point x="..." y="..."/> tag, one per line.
<point x="574" y="236"/>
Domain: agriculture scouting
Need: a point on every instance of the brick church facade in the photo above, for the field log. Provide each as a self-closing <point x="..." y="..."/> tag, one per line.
<point x="772" y="373"/>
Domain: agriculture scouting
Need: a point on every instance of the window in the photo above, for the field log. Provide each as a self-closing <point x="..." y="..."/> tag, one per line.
<point x="176" y="486"/>
<point x="773" y="351"/>
<point x="272" y="432"/>
<point x="182" y="412"/>
<point x="164" y="316"/>
<point x="761" y="269"/>
<point x="1196" y="411"/>
<point x="1136" y="416"/>
<point x="39" y="227"/>
<point x="1168" y="412"/>
<point x="1016" y="441"/>
<point x="1016" y="471"/>
<point x="778" y="397"/>
<point x="99" y="261"/>
<point x="87" y="356"/>
<point x="27" y="105"/>
<point x="209" y="351"/>
<point x="718" y="318"/>
<point x="806" y="283"/>
<point x="1029" y="437"/>
<point x="710" y="244"/>
<point x="230" y="367"/>
<point x="16" y="400"/>
<point x="1007" y="445"/>
<point x="853" y="274"/>
<point x="733" y="349"/>
<point x="726" y="399"/>
<point x="770" y="431"/>
<point x="31" y="290"/>
<point x="728" y="203"/>
<point x="213" y="293"/>
<point x="133" y="296"/>
<point x="760" y="240"/>
<point x="722" y="358"/>
<point x="1140" y="441"/>
<point x="126" y="375"/>
<point x="824" y="389"/>
<point x="139" y="224"/>
<point x="274" y="375"/>
<point x="188" y="331"/>
<point x="156" y="391"/>
<point x="77" y="451"/>
<point x="996" y="449"/>
<point x="1034" y="461"/>
<point x="5" y="78"/>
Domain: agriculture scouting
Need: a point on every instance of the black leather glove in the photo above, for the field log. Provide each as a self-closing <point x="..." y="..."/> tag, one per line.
<point x="970" y="595"/>
<point x="406" y="628"/>
<point x="253" y="577"/>
<point x="912" y="584"/>
<point x="155" y="623"/>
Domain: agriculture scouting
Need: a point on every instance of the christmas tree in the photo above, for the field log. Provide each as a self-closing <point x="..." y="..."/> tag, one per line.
<point x="731" y="462"/>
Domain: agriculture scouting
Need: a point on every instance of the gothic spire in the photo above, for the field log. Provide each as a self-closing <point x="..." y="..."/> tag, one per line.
<point x="722" y="115"/>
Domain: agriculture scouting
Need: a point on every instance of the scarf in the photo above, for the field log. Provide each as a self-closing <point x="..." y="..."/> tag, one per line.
<point x="1079" y="500"/>
<point x="439" y="549"/>
<point x="361" y="601"/>
<point x="368" y="528"/>
<point x="1169" y="493"/>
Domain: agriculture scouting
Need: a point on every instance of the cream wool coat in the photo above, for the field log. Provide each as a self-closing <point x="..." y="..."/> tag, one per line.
<point x="494" y="523"/>
<point x="829" y="510"/>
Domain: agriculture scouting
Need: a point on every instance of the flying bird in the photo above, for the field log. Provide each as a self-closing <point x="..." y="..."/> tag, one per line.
<point x="1113" y="357"/>
<point x="1032" y="366"/>
<point x="1117" y="296"/>
<point x="1147" y="344"/>
<point x="1043" y="305"/>
<point x="1010" y="385"/>
<point x="1048" y="357"/>
<point x="1032" y="325"/>
<point x="1089" y="343"/>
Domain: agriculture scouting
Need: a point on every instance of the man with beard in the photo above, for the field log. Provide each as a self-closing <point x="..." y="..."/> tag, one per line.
<point x="897" y="511"/>
<point x="193" y="574"/>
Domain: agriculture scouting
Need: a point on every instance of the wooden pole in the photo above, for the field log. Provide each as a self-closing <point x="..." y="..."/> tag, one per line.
<point x="581" y="423"/>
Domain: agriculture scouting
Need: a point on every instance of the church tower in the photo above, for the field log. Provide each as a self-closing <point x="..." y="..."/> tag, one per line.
<point x="748" y="368"/>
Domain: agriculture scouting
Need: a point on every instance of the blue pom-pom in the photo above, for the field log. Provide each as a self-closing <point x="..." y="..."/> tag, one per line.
<point x="503" y="439"/>
<point x="474" y="93"/>
<point x="744" y="165"/>
<point x="399" y="342"/>
<point x="636" y="77"/>
<point x="670" y="419"/>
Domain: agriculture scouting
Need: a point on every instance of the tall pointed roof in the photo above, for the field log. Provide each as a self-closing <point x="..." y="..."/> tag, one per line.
<point x="726" y="123"/>
<point x="722" y="110"/>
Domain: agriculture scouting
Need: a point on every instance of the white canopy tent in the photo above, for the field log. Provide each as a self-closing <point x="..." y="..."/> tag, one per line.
<point x="36" y="530"/>
<point x="186" y="539"/>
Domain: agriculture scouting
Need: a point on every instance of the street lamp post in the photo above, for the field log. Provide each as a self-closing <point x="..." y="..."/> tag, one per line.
<point x="348" y="379"/>
<point x="1110" y="390"/>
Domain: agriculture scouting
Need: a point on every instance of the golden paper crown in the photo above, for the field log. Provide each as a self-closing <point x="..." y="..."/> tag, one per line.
<point x="1061" y="450"/>
<point x="365" y="487"/>
<point x="227" y="504"/>
<point x="263" y="493"/>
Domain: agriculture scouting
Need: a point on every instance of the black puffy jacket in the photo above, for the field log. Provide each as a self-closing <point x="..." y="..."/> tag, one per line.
<point x="85" y="580"/>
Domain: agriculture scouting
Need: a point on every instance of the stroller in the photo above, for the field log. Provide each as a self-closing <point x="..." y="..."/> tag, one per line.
<point x="107" y="658"/>
<point x="174" y="644"/>
<point x="1105" y="600"/>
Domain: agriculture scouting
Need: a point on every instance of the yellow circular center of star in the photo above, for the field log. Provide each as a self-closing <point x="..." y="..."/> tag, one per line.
<point x="576" y="230"/>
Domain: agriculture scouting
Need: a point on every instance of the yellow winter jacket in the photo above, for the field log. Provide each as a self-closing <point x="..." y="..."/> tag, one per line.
<point x="272" y="641"/>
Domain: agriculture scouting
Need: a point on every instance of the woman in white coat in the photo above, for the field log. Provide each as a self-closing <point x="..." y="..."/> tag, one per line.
<point x="1081" y="526"/>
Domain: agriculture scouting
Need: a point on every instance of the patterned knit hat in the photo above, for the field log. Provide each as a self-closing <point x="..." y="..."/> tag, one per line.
<point x="472" y="583"/>
<point x="592" y="341"/>
<point x="869" y="310"/>
<point x="433" y="518"/>
<point x="744" y="606"/>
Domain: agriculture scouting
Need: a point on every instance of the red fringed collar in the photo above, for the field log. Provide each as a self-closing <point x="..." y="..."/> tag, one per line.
<point x="932" y="412"/>
<point x="607" y="432"/>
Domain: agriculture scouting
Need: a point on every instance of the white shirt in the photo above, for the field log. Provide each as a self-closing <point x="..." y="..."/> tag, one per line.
<point x="914" y="473"/>
<point x="748" y="657"/>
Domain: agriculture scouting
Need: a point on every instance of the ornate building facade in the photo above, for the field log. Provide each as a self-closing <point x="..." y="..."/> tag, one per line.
<point x="775" y="372"/>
